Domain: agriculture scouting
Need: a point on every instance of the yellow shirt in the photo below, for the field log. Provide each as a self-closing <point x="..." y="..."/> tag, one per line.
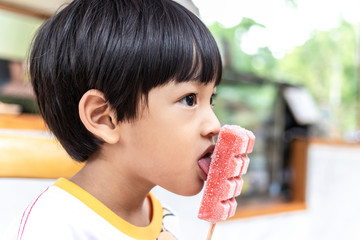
<point x="66" y="211"/>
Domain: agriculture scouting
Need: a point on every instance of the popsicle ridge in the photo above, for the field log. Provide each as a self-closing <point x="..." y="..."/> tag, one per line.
<point x="224" y="182"/>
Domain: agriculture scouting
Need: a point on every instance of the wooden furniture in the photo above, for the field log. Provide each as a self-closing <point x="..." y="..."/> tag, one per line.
<point x="25" y="11"/>
<point x="298" y="202"/>
<point x="27" y="150"/>
<point x="23" y="121"/>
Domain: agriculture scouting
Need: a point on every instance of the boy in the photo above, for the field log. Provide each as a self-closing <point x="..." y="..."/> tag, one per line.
<point x="127" y="86"/>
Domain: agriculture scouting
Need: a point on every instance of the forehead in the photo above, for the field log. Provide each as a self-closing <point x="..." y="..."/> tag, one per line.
<point x="192" y="84"/>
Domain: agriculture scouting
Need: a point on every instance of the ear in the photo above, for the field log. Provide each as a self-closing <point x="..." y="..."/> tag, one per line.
<point x="98" y="117"/>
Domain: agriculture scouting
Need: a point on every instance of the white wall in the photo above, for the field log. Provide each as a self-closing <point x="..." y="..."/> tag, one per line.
<point x="333" y="199"/>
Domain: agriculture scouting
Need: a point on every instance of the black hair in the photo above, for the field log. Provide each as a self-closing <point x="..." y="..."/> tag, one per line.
<point x="123" y="48"/>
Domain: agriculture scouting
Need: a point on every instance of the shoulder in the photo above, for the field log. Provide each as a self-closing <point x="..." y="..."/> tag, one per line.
<point x="41" y="217"/>
<point x="56" y="214"/>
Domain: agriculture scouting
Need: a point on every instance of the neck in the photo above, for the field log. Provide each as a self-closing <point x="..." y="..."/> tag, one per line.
<point x="114" y="186"/>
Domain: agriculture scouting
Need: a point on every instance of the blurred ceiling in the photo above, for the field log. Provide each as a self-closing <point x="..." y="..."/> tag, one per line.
<point x="46" y="8"/>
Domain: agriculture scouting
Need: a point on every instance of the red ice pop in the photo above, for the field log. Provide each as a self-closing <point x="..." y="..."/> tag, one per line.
<point x="224" y="182"/>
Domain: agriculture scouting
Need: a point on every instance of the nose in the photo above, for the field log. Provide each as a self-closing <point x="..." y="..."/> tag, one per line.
<point x="211" y="124"/>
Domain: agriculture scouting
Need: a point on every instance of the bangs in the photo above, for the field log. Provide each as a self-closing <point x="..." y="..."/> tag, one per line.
<point x="186" y="51"/>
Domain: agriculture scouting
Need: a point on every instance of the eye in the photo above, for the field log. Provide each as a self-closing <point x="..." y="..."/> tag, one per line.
<point x="189" y="100"/>
<point x="213" y="97"/>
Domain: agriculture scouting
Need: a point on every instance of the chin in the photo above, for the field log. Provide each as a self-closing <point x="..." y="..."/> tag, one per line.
<point x="191" y="191"/>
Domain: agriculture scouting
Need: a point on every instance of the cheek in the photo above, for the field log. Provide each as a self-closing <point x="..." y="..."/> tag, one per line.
<point x="169" y="150"/>
<point x="171" y="155"/>
<point x="169" y="160"/>
<point x="165" y="138"/>
<point x="165" y="146"/>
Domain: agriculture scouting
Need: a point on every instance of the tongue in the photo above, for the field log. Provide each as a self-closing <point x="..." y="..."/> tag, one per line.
<point x="204" y="164"/>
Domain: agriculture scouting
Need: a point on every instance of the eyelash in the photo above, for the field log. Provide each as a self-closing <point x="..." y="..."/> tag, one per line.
<point x="185" y="99"/>
<point x="191" y="100"/>
<point x="213" y="97"/>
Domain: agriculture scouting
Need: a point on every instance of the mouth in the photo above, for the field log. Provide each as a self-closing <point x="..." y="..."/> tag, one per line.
<point x="204" y="162"/>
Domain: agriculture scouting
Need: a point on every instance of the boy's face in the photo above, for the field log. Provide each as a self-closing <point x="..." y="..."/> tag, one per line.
<point x="171" y="134"/>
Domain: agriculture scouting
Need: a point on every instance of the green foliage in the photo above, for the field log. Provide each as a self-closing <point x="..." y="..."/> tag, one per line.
<point x="246" y="105"/>
<point x="325" y="55"/>
<point x="326" y="65"/>
<point x="231" y="37"/>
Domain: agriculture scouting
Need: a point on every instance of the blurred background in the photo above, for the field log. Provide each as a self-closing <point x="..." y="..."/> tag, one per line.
<point x="291" y="75"/>
<point x="292" y="70"/>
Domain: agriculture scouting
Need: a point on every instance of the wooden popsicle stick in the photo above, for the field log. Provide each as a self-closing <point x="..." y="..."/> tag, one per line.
<point x="211" y="230"/>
